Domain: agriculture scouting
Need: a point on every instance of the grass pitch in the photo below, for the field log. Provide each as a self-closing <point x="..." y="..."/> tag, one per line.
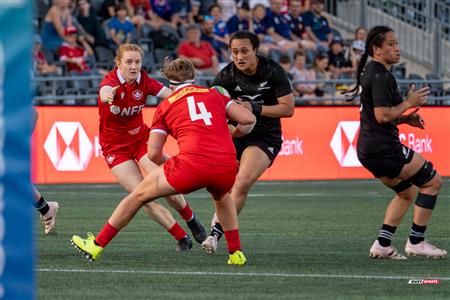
<point x="303" y="240"/>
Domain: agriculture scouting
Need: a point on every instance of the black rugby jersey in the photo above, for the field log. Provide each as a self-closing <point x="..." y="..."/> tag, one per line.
<point x="264" y="87"/>
<point x="379" y="89"/>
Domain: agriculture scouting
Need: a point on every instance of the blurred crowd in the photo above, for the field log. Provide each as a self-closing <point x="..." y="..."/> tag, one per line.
<point x="81" y="36"/>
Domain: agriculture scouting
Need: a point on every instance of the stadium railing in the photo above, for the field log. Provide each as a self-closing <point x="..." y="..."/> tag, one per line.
<point x="82" y="90"/>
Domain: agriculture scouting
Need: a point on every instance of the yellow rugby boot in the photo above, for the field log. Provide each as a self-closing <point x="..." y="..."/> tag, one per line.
<point x="237" y="258"/>
<point x="87" y="246"/>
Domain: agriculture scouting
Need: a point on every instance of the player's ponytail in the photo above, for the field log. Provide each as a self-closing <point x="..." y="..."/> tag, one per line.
<point x="375" y="37"/>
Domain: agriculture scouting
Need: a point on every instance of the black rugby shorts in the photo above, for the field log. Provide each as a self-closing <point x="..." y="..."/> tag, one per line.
<point x="389" y="165"/>
<point x="269" y="146"/>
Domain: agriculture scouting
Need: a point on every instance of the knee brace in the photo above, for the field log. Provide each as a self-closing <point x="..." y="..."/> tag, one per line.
<point x="426" y="201"/>
<point x="425" y="174"/>
<point x="402" y="186"/>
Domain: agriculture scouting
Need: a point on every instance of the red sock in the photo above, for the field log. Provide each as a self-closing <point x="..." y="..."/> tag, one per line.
<point x="177" y="232"/>
<point x="186" y="213"/>
<point x="106" y="235"/>
<point x="233" y="240"/>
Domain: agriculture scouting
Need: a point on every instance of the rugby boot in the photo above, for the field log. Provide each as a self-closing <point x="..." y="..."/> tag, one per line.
<point x="389" y="252"/>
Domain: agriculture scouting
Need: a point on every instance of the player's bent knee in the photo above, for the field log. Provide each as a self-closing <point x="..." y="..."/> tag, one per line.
<point x="426" y="201"/>
<point x="424" y="175"/>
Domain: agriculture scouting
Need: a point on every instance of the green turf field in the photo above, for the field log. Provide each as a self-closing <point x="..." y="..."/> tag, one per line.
<point x="303" y="240"/>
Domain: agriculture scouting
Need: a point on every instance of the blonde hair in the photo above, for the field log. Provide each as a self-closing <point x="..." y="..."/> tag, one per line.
<point x="178" y="71"/>
<point x="127" y="47"/>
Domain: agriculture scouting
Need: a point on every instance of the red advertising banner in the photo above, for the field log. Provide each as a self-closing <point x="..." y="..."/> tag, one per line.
<point x="318" y="143"/>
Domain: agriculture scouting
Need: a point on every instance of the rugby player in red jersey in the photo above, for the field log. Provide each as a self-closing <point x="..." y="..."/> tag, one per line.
<point x="197" y="118"/>
<point x="124" y="135"/>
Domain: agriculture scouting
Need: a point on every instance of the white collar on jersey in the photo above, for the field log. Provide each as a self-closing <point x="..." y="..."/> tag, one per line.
<point x="122" y="80"/>
<point x="181" y="86"/>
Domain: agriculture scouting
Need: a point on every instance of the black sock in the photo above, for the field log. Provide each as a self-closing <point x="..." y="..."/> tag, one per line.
<point x="42" y="206"/>
<point x="217" y="230"/>
<point x="417" y="234"/>
<point x="386" y="234"/>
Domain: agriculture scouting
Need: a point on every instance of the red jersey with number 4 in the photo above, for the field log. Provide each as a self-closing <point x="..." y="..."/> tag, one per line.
<point x="121" y="123"/>
<point x="196" y="117"/>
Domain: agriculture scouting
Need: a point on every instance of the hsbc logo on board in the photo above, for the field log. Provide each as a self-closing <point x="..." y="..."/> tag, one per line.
<point x="343" y="143"/>
<point x="68" y="147"/>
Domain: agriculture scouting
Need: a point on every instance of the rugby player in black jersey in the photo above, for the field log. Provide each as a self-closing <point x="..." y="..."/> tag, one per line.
<point x="380" y="151"/>
<point x="260" y="85"/>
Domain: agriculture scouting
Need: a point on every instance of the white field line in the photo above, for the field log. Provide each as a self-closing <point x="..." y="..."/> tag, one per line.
<point x="243" y="274"/>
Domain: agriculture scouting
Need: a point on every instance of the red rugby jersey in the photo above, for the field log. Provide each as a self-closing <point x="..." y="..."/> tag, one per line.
<point x="196" y="117"/>
<point x="121" y="123"/>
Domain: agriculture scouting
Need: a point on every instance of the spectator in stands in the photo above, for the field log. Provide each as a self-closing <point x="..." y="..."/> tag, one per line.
<point x="87" y="18"/>
<point x="339" y="65"/>
<point x="195" y="17"/>
<point x="164" y="24"/>
<point x="295" y="19"/>
<point x="120" y="28"/>
<point x="320" y="65"/>
<point x="241" y="20"/>
<point x="228" y="8"/>
<point x="205" y="5"/>
<point x="57" y="19"/>
<point x="259" y="26"/>
<point x="301" y="73"/>
<point x="361" y="34"/>
<point x="220" y="27"/>
<point x="140" y="12"/>
<point x="108" y="9"/>
<point x="73" y="54"/>
<point x="356" y="51"/>
<point x="285" y="63"/>
<point x="253" y="3"/>
<point x="182" y="10"/>
<point x="201" y="53"/>
<point x="165" y="14"/>
<point x="209" y="35"/>
<point x="280" y="30"/>
<point x="316" y="25"/>
<point x="40" y="64"/>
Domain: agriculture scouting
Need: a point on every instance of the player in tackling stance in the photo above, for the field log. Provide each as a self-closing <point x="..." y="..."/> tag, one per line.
<point x="380" y="151"/>
<point x="197" y="118"/>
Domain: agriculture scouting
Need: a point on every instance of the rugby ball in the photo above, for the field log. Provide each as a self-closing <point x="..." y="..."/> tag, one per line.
<point x="221" y="90"/>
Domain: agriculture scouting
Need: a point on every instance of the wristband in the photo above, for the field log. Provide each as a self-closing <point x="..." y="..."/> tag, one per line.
<point x="256" y="108"/>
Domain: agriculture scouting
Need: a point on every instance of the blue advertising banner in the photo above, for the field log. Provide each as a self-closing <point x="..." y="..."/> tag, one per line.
<point x="16" y="206"/>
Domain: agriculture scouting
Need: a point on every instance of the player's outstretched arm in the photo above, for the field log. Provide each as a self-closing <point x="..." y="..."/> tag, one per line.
<point x="246" y="120"/>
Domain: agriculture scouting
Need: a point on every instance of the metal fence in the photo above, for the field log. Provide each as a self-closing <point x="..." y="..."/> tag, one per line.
<point x="82" y="90"/>
<point x="423" y="26"/>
